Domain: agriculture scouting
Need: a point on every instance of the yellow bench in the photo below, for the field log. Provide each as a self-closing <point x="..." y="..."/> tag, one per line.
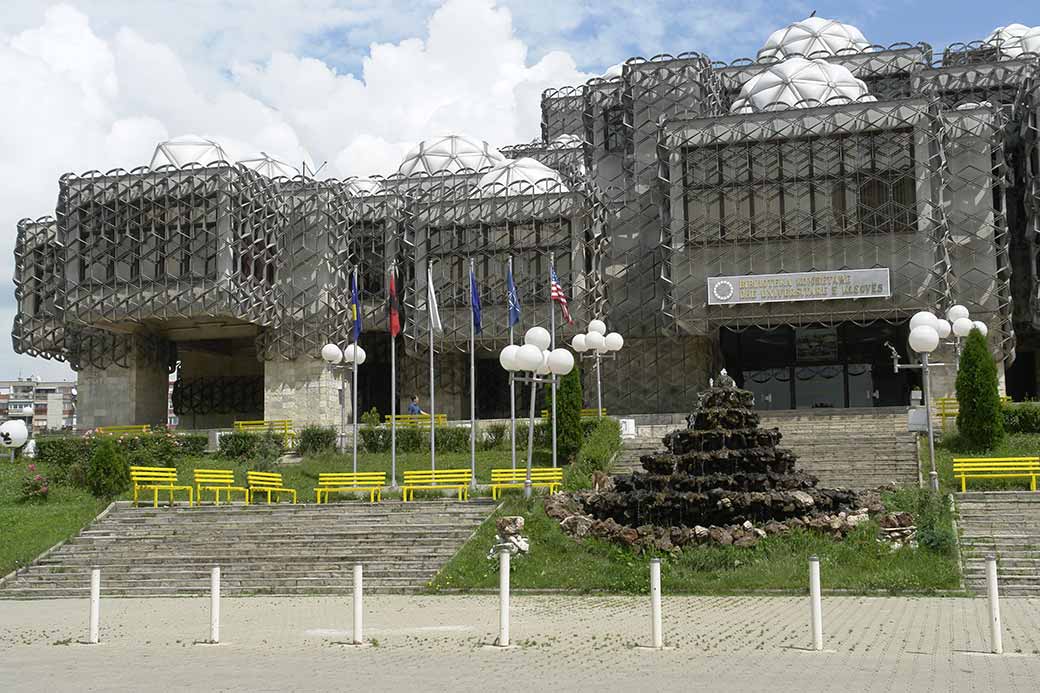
<point x="346" y="482"/>
<point x="157" y="479"/>
<point x="948" y="408"/>
<point x="965" y="468"/>
<point x="417" y="420"/>
<point x="120" y="430"/>
<point x="544" y="477"/>
<point x="267" y="482"/>
<point x="282" y="426"/>
<point x="436" y="479"/>
<point x="217" y="480"/>
<point x="585" y="413"/>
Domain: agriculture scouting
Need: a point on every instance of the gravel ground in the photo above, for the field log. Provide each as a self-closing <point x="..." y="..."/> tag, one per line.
<point x="577" y="643"/>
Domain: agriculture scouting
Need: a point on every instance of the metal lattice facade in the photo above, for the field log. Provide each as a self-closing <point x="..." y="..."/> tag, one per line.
<point x="655" y="187"/>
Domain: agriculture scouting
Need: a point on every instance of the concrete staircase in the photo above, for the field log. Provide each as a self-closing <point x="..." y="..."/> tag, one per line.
<point x="272" y="550"/>
<point x="1005" y="524"/>
<point x="849" y="448"/>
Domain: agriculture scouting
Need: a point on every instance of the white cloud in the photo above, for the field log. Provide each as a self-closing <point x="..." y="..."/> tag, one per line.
<point x="80" y="95"/>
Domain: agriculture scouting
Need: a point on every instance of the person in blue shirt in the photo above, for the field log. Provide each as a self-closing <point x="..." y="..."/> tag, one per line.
<point x="413" y="407"/>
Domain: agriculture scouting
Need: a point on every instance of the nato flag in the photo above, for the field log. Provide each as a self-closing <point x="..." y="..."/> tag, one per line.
<point x="514" y="299"/>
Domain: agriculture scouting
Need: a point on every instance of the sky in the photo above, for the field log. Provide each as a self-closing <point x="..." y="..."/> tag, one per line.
<point x="95" y="84"/>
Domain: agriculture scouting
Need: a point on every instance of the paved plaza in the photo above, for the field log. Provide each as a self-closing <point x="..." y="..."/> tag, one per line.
<point x="573" y="643"/>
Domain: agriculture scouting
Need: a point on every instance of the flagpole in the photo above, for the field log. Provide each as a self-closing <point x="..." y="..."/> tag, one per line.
<point x="552" y="345"/>
<point x="472" y="380"/>
<point x="512" y="385"/>
<point x="393" y="384"/>
<point x="353" y="379"/>
<point x="429" y="311"/>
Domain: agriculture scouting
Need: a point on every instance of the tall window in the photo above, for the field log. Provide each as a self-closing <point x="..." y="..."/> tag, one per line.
<point x="614" y="129"/>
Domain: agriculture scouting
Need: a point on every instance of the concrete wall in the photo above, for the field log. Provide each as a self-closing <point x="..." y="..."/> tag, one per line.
<point x="122" y="396"/>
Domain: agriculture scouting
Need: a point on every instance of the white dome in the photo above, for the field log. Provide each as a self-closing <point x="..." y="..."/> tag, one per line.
<point x="449" y="154"/>
<point x="1015" y="39"/>
<point x="797" y="82"/>
<point x="267" y="165"/>
<point x="187" y="149"/>
<point x="523" y="170"/>
<point x="813" y="37"/>
<point x="565" y="142"/>
<point x="614" y="71"/>
<point x="364" y="186"/>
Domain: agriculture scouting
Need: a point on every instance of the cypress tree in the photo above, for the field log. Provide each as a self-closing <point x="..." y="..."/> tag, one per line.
<point x="568" y="416"/>
<point x="979" y="419"/>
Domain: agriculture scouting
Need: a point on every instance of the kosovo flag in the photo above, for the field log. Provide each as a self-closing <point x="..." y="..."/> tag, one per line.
<point x="355" y="306"/>
<point x="474" y="300"/>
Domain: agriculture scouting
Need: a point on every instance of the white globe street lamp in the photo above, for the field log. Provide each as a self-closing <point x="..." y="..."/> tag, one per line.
<point x="598" y="344"/>
<point x="981" y="327"/>
<point x="343" y="361"/>
<point x="544" y="366"/>
<point x="962" y="326"/>
<point x="956" y="312"/>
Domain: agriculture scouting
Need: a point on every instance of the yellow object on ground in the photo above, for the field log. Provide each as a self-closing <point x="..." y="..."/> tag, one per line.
<point x="436" y="479"/>
<point x="965" y="468"/>
<point x="347" y="482"/>
<point x="157" y="479"/>
<point x="541" y="477"/>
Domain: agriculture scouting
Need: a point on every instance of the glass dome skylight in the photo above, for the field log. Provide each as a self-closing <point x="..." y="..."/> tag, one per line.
<point x="187" y="149"/>
<point x="449" y="154"/>
<point x="797" y="82"/>
<point x="813" y="37"/>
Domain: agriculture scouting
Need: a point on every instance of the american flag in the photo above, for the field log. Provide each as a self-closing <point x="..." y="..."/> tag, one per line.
<point x="556" y="294"/>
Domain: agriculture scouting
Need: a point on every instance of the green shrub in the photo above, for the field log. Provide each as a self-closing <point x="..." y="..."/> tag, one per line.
<point x="108" y="474"/>
<point x="61" y="452"/>
<point x="316" y="439"/>
<point x="193" y="444"/>
<point x="1021" y="417"/>
<point x="569" y="433"/>
<point x="371" y="418"/>
<point x="159" y="449"/>
<point x="269" y="447"/>
<point x="596" y="454"/>
<point x="238" y="445"/>
<point x="980" y="420"/>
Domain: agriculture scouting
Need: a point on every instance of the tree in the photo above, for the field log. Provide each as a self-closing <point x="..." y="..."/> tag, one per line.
<point x="979" y="418"/>
<point x="108" y="474"/>
<point x="569" y="435"/>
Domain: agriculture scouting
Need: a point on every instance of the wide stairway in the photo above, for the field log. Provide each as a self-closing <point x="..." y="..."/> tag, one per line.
<point x="861" y="449"/>
<point x="1005" y="524"/>
<point x="261" y="549"/>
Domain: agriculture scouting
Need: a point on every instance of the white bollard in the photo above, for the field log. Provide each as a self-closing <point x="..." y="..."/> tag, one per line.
<point x="95" y="604"/>
<point x="814" y="598"/>
<point x="359" y="636"/>
<point x="214" y="605"/>
<point x="503" y="598"/>
<point x="995" y="631"/>
<point x="655" y="603"/>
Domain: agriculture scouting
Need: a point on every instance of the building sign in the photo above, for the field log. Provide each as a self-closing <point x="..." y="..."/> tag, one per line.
<point x="799" y="286"/>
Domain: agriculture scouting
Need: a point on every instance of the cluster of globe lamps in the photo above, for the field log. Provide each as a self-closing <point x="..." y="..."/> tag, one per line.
<point x="926" y="329"/>
<point x="347" y="358"/>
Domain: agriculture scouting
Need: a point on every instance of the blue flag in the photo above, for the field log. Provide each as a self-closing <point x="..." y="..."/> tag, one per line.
<point x="474" y="300"/>
<point x="514" y="299"/>
<point x="355" y="306"/>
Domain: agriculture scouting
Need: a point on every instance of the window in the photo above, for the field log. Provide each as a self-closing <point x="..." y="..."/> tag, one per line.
<point x="614" y="129"/>
<point x="861" y="183"/>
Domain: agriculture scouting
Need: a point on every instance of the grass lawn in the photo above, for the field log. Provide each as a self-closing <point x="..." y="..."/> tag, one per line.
<point x="950" y="446"/>
<point x="29" y="529"/>
<point x="303" y="476"/>
<point x="858" y="564"/>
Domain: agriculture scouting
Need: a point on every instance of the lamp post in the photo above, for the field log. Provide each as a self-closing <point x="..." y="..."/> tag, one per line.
<point x="344" y="361"/>
<point x="544" y="365"/>
<point x="597" y="345"/>
<point x="925" y="330"/>
<point x="959" y="322"/>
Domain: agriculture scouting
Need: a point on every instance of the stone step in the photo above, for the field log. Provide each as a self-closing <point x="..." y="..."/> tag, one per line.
<point x="287" y="549"/>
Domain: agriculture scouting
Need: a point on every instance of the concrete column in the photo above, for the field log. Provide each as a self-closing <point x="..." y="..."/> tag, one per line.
<point x="303" y="390"/>
<point x="116" y="396"/>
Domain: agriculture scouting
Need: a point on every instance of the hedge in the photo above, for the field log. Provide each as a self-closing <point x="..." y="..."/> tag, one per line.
<point x="316" y="439"/>
<point x="1021" y="417"/>
<point x="158" y="449"/>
